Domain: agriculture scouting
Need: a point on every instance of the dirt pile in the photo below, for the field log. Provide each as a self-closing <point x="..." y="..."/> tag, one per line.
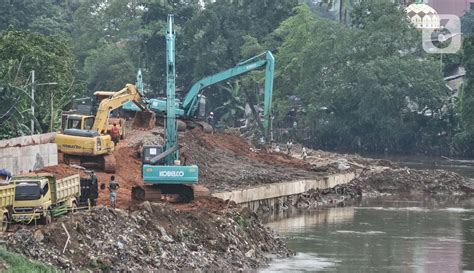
<point x="410" y="181"/>
<point x="214" y="235"/>
<point x="227" y="162"/>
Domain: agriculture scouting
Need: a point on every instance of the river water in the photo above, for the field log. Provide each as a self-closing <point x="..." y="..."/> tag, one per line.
<point x="383" y="234"/>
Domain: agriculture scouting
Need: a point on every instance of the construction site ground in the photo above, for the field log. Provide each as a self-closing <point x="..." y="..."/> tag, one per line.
<point x="226" y="162"/>
<point x="208" y="233"/>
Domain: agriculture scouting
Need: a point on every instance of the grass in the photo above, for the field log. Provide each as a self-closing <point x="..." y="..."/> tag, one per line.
<point x="18" y="263"/>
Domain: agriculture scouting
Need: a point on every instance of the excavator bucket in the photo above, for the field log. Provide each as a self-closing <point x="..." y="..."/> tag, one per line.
<point x="144" y="120"/>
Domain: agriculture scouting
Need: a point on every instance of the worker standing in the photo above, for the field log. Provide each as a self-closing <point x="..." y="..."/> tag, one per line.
<point x="289" y="145"/>
<point x="115" y="134"/>
<point x="113" y="187"/>
<point x="304" y="154"/>
<point x="210" y="118"/>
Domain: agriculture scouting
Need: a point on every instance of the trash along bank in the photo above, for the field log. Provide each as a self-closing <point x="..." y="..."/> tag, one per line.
<point x="208" y="234"/>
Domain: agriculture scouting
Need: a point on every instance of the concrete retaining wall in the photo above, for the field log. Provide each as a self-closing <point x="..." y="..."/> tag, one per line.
<point x="274" y="194"/>
<point x="19" y="155"/>
<point x="28" y="140"/>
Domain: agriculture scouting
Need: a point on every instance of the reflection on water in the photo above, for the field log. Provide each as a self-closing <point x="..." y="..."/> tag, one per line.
<point x="381" y="236"/>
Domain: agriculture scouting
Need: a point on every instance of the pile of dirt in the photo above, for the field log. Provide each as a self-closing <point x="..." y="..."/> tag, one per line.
<point x="409" y="181"/>
<point x="227" y="162"/>
<point x="152" y="237"/>
<point x="242" y="147"/>
<point x="60" y="171"/>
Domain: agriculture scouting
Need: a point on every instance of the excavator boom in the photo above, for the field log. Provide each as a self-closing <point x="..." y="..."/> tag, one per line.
<point x="119" y="98"/>
<point x="162" y="171"/>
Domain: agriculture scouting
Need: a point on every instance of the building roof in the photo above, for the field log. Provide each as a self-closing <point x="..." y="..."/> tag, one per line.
<point x="423" y="16"/>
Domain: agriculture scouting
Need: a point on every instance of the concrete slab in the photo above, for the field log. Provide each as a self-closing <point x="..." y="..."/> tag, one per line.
<point x="277" y="190"/>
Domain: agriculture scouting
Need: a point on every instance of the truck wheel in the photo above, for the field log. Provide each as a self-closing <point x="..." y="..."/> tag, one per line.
<point x="4" y="226"/>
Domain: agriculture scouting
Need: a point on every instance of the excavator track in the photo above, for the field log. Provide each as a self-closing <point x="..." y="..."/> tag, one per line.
<point x="204" y="126"/>
<point x="169" y="193"/>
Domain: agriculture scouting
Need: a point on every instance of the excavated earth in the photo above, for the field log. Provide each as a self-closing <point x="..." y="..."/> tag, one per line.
<point x="208" y="235"/>
<point x="225" y="161"/>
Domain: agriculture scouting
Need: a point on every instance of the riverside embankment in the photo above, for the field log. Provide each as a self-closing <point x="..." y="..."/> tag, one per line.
<point x="213" y="234"/>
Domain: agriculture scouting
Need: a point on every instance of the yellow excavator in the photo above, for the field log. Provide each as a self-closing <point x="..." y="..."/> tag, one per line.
<point x="85" y="139"/>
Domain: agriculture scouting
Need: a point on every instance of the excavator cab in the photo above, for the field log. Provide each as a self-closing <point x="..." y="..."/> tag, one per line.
<point x="75" y="121"/>
<point x="149" y="152"/>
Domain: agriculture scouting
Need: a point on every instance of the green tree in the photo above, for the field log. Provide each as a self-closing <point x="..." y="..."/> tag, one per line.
<point x="41" y="16"/>
<point x="364" y="87"/>
<point x="50" y="57"/>
<point x="109" y="68"/>
<point x="465" y="139"/>
<point x="102" y="28"/>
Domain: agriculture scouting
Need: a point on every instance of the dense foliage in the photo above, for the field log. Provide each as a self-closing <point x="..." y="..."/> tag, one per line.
<point x="348" y="76"/>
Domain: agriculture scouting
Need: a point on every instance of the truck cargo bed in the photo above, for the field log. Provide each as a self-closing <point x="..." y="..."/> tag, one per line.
<point x="7" y="195"/>
<point x="65" y="188"/>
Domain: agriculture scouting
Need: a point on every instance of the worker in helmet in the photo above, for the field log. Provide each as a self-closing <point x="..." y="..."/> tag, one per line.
<point x="115" y="134"/>
<point x="210" y="118"/>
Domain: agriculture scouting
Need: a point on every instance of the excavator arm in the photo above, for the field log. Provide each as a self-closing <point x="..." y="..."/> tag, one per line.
<point x="190" y="103"/>
<point x="116" y="100"/>
<point x="189" y="107"/>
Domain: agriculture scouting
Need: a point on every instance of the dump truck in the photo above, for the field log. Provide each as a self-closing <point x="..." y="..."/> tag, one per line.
<point x="7" y="196"/>
<point x="40" y="197"/>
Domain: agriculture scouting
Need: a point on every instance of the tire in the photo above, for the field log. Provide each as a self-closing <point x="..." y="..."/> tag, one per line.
<point x="4" y="227"/>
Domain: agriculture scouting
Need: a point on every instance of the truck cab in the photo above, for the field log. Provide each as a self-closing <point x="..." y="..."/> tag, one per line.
<point x="32" y="198"/>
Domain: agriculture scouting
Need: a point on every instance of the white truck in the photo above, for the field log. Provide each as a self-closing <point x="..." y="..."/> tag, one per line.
<point x="42" y="196"/>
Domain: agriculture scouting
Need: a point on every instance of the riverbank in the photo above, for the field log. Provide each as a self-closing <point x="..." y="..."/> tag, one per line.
<point x="209" y="234"/>
<point x="213" y="234"/>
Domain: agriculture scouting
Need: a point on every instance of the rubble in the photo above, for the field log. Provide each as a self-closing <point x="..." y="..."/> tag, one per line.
<point x="415" y="182"/>
<point x="214" y="235"/>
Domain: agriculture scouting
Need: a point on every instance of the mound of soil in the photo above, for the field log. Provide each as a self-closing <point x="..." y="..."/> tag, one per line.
<point x="227" y="162"/>
<point x="409" y="181"/>
<point x="242" y="147"/>
<point x="214" y="235"/>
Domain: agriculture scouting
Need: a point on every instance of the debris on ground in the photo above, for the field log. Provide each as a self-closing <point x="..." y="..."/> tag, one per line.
<point x="212" y="235"/>
<point x="228" y="162"/>
<point x="410" y="181"/>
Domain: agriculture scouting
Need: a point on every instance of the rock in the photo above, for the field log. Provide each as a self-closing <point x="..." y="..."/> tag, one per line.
<point x="120" y="245"/>
<point x="164" y="237"/>
<point x="146" y="206"/>
<point x="250" y="253"/>
<point x="38" y="235"/>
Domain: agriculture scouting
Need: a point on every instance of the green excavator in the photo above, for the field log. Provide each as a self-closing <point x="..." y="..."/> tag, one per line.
<point x="163" y="173"/>
<point x="192" y="108"/>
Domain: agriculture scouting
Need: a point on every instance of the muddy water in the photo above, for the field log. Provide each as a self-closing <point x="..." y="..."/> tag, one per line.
<point x="381" y="235"/>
